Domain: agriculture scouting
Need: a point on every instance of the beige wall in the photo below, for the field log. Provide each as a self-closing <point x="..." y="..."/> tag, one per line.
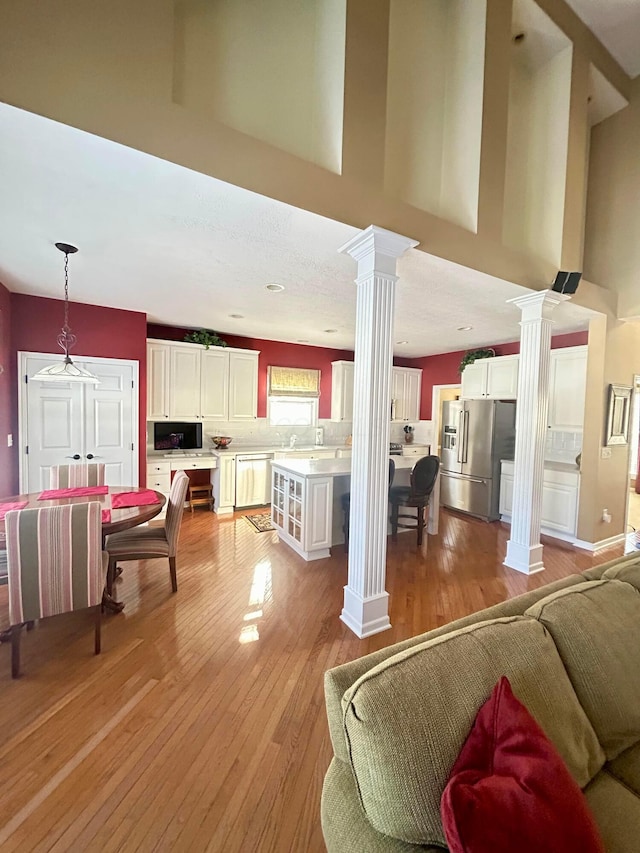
<point x="612" y="244"/>
<point x="114" y="68"/>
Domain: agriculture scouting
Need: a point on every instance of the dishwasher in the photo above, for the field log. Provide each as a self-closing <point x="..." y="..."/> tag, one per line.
<point x="253" y="479"/>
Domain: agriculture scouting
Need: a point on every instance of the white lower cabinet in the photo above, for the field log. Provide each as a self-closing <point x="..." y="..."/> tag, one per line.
<point x="416" y="449"/>
<point x="301" y="512"/>
<point x="224" y="485"/>
<point x="559" y="500"/>
<point x="159" y="473"/>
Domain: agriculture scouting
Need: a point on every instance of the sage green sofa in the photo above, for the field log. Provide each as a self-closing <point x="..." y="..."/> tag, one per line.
<point x="398" y="717"/>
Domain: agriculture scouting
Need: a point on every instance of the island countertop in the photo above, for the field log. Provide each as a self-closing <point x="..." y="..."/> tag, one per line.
<point x="312" y="468"/>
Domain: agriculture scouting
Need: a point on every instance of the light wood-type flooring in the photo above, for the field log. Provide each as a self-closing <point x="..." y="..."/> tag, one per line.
<point x="202" y="724"/>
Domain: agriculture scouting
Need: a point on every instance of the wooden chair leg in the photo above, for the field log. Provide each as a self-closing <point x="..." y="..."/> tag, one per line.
<point x="174" y="577"/>
<point x="111" y="574"/>
<point x="98" y="632"/>
<point x="16" y="630"/>
<point x="30" y="625"/>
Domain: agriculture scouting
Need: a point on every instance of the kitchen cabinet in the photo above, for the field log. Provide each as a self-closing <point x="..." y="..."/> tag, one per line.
<point x="491" y="378"/>
<point x="188" y="382"/>
<point x="406" y="385"/>
<point x="159" y="472"/>
<point x="301" y="510"/>
<point x="567" y="385"/>
<point x="253" y="479"/>
<point x="342" y="390"/>
<point x="560" y="489"/>
<point x="224" y="485"/>
<point x="416" y="450"/>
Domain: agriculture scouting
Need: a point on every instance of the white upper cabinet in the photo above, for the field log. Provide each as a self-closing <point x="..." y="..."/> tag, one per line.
<point x="187" y="382"/>
<point x="406" y="384"/>
<point x="567" y="383"/>
<point x="342" y="390"/>
<point x="491" y="379"/>
<point x="157" y="381"/>
<point x="184" y="397"/>
<point x="243" y="385"/>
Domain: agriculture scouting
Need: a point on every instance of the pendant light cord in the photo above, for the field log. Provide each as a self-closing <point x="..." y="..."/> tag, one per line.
<point x="66" y="292"/>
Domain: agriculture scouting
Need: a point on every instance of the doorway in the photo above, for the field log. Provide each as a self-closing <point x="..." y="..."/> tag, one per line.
<point x="441" y="394"/>
<point x="65" y="421"/>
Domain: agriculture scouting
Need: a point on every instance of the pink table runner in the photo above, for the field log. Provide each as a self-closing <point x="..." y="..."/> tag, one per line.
<point x="5" y="508"/>
<point x="78" y="492"/>
<point x="125" y="499"/>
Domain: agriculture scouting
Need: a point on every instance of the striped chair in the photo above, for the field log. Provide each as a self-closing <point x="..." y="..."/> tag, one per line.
<point x="55" y="565"/>
<point x="75" y="476"/>
<point x="147" y="543"/>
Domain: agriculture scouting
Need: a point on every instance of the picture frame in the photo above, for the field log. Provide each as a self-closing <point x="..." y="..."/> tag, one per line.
<point x="618" y="415"/>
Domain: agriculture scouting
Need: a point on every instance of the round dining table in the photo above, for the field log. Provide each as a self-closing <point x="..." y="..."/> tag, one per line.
<point x="120" y="519"/>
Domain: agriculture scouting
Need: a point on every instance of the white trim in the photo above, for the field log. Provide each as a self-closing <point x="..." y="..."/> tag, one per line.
<point x="603" y="543"/>
<point x="23" y="355"/>
<point x="435" y="410"/>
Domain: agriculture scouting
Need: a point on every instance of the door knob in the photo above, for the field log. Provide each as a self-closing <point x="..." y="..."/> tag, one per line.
<point x="89" y="455"/>
<point x="75" y="456"/>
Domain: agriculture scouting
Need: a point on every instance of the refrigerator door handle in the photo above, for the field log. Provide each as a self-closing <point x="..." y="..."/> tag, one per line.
<point x="460" y="434"/>
<point x="465" y="422"/>
<point x="464" y="477"/>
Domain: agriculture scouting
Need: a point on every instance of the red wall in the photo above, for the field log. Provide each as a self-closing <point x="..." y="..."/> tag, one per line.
<point x="277" y="354"/>
<point x="443" y="369"/>
<point x="6" y="384"/>
<point x="102" y="332"/>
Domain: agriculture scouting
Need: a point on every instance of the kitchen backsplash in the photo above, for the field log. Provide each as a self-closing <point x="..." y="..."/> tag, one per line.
<point x="562" y="446"/>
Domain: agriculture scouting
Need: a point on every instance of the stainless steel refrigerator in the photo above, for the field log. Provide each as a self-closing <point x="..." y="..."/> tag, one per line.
<point x="476" y="435"/>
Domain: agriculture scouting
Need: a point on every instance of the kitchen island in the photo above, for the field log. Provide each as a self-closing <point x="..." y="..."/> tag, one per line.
<point x="305" y="502"/>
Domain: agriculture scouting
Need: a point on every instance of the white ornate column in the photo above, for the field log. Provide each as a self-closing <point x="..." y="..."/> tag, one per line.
<point x="524" y="551"/>
<point x="366" y="603"/>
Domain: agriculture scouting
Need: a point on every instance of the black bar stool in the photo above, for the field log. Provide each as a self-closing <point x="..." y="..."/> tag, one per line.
<point x="422" y="479"/>
<point x="345" y="502"/>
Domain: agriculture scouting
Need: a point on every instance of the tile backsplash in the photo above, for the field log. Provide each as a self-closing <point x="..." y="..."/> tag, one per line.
<point x="562" y="446"/>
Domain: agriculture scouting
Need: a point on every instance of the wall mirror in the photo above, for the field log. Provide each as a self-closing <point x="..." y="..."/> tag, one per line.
<point x="618" y="415"/>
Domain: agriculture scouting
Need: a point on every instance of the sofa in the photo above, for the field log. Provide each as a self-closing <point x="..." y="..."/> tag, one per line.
<point x="399" y="717"/>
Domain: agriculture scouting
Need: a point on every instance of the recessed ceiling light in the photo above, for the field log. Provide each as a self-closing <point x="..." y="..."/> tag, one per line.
<point x="274" y="288"/>
<point x="465" y="328"/>
<point x="402" y="342"/>
<point x="237" y="316"/>
<point x="331" y="331"/>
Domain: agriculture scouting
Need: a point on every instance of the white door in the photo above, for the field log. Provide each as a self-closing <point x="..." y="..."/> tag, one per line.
<point x="214" y="384"/>
<point x="567" y="386"/>
<point x="243" y="386"/>
<point x="109" y="423"/>
<point x="474" y="381"/>
<point x="157" y="381"/>
<point x="64" y="422"/>
<point x="412" y="387"/>
<point x="184" y="383"/>
<point x="502" y="377"/>
<point x="397" y="394"/>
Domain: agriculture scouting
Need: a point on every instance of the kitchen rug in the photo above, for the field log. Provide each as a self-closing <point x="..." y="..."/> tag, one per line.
<point x="261" y="521"/>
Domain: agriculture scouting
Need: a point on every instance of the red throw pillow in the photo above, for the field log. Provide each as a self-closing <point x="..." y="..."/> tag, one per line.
<point x="511" y="791"/>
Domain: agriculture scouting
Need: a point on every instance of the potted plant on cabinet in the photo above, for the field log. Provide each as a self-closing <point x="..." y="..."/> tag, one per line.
<point x="474" y="354"/>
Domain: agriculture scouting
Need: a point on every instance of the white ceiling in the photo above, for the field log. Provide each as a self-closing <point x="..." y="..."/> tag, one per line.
<point x="616" y="23"/>
<point x="190" y="250"/>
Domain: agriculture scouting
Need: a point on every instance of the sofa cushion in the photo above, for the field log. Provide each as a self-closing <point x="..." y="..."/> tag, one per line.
<point x="626" y="571"/>
<point x="406" y="720"/>
<point x="616" y="810"/>
<point x="626" y="768"/>
<point x="595" y="627"/>
<point x="510" y="788"/>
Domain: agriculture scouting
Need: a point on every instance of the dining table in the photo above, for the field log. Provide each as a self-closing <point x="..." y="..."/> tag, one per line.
<point x="113" y="519"/>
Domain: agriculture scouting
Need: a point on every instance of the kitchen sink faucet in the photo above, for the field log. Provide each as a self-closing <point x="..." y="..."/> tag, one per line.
<point x="292" y="441"/>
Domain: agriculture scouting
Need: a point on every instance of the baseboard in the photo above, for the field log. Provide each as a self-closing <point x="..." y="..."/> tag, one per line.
<point x="603" y="543"/>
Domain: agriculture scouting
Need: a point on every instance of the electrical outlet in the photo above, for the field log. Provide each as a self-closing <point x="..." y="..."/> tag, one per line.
<point x="605" y="453"/>
<point x="9" y="440"/>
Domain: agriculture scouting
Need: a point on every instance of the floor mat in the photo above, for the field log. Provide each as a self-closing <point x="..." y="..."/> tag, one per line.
<point x="261" y="522"/>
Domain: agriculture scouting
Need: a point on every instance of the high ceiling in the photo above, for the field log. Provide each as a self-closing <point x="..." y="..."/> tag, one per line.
<point x="616" y="23"/>
<point x="189" y="250"/>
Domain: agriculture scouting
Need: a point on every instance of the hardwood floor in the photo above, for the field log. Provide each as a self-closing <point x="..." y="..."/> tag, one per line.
<point x="202" y="724"/>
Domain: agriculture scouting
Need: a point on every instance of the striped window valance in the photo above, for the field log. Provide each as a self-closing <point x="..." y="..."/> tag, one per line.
<point x="294" y="382"/>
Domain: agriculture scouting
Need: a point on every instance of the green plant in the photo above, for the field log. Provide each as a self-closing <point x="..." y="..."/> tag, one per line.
<point x="473" y="354"/>
<point x="206" y="337"/>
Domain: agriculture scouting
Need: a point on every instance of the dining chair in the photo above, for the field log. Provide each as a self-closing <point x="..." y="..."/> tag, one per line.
<point x="75" y="476"/>
<point x="148" y="543"/>
<point x="55" y="565"/>
<point x="345" y="503"/>
<point x="416" y="495"/>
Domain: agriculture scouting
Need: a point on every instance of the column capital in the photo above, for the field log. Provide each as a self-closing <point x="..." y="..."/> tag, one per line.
<point x="376" y="250"/>
<point x="540" y="304"/>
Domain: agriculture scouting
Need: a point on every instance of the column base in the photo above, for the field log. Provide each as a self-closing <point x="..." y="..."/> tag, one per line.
<point x="365" y="616"/>
<point x="524" y="558"/>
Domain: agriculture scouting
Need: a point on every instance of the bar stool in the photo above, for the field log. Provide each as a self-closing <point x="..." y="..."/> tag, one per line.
<point x="201" y="495"/>
<point x="422" y="480"/>
<point x="345" y="502"/>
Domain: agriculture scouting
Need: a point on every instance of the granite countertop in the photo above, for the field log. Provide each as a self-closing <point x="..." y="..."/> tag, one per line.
<point x="236" y="449"/>
<point x="550" y="465"/>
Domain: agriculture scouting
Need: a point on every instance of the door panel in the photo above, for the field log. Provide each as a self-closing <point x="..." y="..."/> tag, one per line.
<point x="109" y="423"/>
<point x="185" y="383"/>
<point x="478" y="438"/>
<point x="467" y="494"/>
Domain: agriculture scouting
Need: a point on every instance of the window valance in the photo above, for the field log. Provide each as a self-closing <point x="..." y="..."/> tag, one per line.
<point x="294" y="382"/>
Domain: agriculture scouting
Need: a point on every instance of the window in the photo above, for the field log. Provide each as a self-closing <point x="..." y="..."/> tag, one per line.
<point x="293" y="411"/>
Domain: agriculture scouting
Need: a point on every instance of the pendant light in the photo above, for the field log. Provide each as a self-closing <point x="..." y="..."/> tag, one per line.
<point x="66" y="371"/>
